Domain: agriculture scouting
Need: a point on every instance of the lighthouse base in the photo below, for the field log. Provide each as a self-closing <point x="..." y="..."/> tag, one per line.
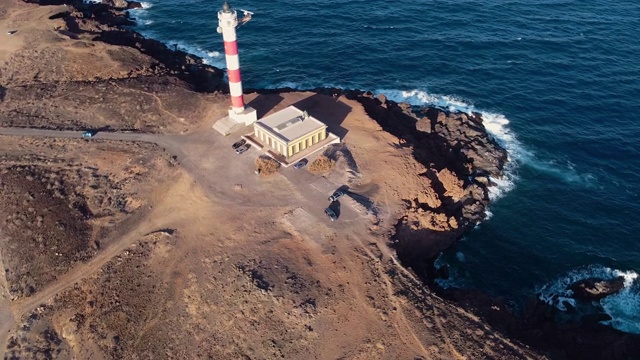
<point x="236" y="121"/>
<point x="247" y="117"/>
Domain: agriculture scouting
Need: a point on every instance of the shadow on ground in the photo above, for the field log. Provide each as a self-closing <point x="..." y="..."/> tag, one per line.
<point x="263" y="103"/>
<point x="328" y="110"/>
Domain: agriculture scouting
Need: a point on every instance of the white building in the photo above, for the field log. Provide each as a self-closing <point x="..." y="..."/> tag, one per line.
<point x="289" y="131"/>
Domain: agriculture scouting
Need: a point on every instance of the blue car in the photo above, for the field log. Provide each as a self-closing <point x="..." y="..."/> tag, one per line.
<point x="87" y="134"/>
<point x="300" y="164"/>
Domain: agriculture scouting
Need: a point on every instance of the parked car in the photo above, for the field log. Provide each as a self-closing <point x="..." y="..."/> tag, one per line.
<point x="336" y="195"/>
<point x="300" y="164"/>
<point x="242" y="149"/>
<point x="331" y="214"/>
<point x="239" y="143"/>
<point x="87" y="134"/>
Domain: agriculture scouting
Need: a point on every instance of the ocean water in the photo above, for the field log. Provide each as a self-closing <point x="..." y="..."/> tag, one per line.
<point x="558" y="83"/>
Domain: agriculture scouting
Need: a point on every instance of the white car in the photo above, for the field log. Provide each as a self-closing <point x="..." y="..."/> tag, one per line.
<point x="241" y="149"/>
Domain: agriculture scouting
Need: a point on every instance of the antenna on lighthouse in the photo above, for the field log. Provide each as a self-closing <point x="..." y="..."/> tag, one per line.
<point x="245" y="19"/>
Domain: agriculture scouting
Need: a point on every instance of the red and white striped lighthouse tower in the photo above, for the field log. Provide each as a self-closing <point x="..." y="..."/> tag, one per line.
<point x="228" y="21"/>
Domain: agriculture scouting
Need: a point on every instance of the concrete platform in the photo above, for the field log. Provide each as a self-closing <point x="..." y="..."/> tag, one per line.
<point x="226" y="126"/>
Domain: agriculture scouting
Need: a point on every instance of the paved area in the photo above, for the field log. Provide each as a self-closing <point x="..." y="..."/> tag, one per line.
<point x="211" y="161"/>
<point x="308" y="225"/>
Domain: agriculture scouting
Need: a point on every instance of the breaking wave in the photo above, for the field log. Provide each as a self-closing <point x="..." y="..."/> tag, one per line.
<point x="623" y="307"/>
<point x="497" y="126"/>
<point x="378" y="27"/>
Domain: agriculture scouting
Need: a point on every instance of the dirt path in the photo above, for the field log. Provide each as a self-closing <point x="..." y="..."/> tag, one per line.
<point x="7" y="323"/>
<point x="6" y="316"/>
<point x="130" y="231"/>
<point x="401" y="325"/>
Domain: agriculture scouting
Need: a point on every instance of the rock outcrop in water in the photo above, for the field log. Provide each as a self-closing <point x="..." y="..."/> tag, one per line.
<point x="596" y="289"/>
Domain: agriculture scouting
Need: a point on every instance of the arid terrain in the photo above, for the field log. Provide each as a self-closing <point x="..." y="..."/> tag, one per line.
<point x="155" y="240"/>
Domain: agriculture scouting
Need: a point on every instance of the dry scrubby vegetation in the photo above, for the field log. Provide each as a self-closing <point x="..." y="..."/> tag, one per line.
<point x="266" y="165"/>
<point x="321" y="165"/>
<point x="107" y="310"/>
<point x="56" y="211"/>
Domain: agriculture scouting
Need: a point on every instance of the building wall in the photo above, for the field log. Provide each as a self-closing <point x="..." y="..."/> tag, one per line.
<point x="306" y="141"/>
<point x="269" y="139"/>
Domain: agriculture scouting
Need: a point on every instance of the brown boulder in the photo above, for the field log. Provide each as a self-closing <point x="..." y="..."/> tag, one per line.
<point x="424" y="125"/>
<point x="429" y="197"/>
<point x="134" y="5"/>
<point x="452" y="184"/>
<point x="118" y="4"/>
<point x="420" y="219"/>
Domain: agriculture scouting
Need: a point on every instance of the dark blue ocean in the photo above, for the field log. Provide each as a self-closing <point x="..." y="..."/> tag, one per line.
<point x="557" y="81"/>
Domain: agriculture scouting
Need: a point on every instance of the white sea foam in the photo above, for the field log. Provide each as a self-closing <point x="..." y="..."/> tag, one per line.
<point x="497" y="126"/>
<point x="563" y="170"/>
<point x="209" y="57"/>
<point x="623" y="307"/>
<point x="290" y="84"/>
<point x="378" y="27"/>
<point x="145" y="5"/>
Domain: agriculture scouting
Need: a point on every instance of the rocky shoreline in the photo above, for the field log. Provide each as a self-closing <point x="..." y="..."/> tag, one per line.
<point x="460" y="158"/>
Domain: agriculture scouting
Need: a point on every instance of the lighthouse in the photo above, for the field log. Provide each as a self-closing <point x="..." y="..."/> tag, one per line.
<point x="227" y="24"/>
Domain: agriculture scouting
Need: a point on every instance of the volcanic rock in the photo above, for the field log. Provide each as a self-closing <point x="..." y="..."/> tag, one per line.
<point x="452" y="184"/>
<point x="428" y="197"/>
<point x="118" y="4"/>
<point x="424" y="125"/>
<point x="134" y="5"/>
<point x="596" y="289"/>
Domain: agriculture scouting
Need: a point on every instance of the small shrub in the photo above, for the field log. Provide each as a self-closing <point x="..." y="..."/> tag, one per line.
<point x="321" y="164"/>
<point x="266" y="165"/>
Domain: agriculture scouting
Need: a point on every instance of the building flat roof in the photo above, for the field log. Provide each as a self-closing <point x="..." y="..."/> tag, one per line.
<point x="289" y="123"/>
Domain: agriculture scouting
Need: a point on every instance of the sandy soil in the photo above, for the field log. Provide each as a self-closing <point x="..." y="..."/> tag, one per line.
<point x="48" y="80"/>
<point x="194" y="256"/>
